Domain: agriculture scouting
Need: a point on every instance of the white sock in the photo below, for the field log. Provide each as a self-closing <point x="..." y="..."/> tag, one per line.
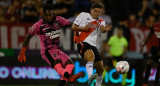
<point x="99" y="80"/>
<point x="89" y="68"/>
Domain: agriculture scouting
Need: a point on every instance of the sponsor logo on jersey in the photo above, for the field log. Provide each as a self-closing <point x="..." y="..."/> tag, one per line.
<point x="53" y="34"/>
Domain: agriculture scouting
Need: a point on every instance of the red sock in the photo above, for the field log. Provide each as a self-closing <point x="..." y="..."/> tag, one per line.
<point x="69" y="68"/>
<point x="59" y="69"/>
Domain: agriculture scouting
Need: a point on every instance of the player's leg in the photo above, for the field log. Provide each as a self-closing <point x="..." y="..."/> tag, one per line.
<point x="157" y="60"/>
<point x="147" y="71"/>
<point x="89" y="58"/>
<point x="52" y="58"/>
<point x="68" y="65"/>
<point x="85" y="51"/>
<point x="99" y="69"/>
<point x="98" y="64"/>
<point x="157" y="75"/>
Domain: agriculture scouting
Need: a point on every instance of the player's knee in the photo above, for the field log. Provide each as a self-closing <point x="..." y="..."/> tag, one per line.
<point x="100" y="70"/>
<point x="89" y="58"/>
<point x="54" y="63"/>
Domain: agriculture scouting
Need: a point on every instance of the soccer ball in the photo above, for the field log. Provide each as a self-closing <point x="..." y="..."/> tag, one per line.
<point x="122" y="67"/>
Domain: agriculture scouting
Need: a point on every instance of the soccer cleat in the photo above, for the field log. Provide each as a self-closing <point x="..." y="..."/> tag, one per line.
<point x="73" y="78"/>
<point x="92" y="78"/>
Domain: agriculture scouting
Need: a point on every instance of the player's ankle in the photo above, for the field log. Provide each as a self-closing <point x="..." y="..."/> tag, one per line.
<point x="67" y="75"/>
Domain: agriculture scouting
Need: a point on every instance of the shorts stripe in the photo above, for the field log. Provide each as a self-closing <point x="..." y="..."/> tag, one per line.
<point x="48" y="55"/>
<point x="82" y="45"/>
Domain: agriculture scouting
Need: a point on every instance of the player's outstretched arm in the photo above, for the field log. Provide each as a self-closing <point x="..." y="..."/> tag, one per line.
<point x="77" y="28"/>
<point x="145" y="42"/>
<point x="105" y="28"/>
<point x="21" y="56"/>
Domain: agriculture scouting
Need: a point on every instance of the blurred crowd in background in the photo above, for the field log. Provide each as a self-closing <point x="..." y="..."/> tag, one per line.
<point x="127" y="13"/>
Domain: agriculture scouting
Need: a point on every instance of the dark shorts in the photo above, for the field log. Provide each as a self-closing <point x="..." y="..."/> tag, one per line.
<point x="154" y="54"/>
<point x="55" y="54"/>
<point x="83" y="46"/>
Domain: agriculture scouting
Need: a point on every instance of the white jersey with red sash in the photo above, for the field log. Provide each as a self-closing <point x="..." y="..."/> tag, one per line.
<point x="91" y="34"/>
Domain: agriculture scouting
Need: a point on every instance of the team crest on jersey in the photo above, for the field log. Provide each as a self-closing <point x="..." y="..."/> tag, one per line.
<point x="55" y="24"/>
<point x="98" y="22"/>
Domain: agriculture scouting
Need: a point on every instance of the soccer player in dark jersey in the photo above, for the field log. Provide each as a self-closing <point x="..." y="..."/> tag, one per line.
<point x="48" y="30"/>
<point x="155" y="52"/>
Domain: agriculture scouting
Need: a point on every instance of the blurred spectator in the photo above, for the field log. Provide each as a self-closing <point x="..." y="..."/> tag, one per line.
<point x="69" y="5"/>
<point x="131" y="22"/>
<point x="29" y="12"/>
<point x="156" y="9"/>
<point x="60" y="9"/>
<point x="13" y="13"/>
<point x="39" y="7"/>
<point x="150" y="20"/>
<point x="107" y="18"/>
<point x="144" y="11"/>
<point x="1" y="16"/>
<point x="116" y="48"/>
<point x="4" y="4"/>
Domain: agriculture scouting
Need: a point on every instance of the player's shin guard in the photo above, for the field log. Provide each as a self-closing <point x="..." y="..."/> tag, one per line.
<point x="69" y="68"/>
<point x="99" y="80"/>
<point x="89" y="68"/>
<point x="147" y="73"/>
<point x="59" y="69"/>
<point x="157" y="76"/>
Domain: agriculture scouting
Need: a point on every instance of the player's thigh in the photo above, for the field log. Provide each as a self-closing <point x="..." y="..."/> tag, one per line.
<point x="99" y="67"/>
<point x="89" y="55"/>
<point x="64" y="58"/>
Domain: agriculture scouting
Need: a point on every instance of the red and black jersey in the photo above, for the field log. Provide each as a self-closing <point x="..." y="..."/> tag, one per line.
<point x="156" y="34"/>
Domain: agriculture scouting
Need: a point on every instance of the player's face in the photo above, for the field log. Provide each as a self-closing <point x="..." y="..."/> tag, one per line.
<point x="96" y="12"/>
<point x="48" y="15"/>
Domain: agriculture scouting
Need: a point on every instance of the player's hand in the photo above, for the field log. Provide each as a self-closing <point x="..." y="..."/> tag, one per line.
<point x="22" y="58"/>
<point x="85" y="28"/>
<point x="108" y="27"/>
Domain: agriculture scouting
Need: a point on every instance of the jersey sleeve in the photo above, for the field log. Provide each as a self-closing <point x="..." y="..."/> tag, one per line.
<point x="63" y="21"/>
<point x="34" y="29"/>
<point x="79" y="18"/>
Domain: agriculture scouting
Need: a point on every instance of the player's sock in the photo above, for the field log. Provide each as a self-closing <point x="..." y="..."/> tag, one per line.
<point x="69" y="68"/>
<point x="62" y="83"/>
<point x="59" y="69"/>
<point x="99" y="80"/>
<point x="147" y="73"/>
<point x="157" y="76"/>
<point x="89" y="68"/>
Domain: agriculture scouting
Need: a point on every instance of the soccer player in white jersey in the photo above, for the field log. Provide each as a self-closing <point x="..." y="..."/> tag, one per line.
<point x="86" y="27"/>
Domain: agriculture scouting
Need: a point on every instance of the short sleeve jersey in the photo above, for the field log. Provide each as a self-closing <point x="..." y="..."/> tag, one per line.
<point x="90" y="35"/>
<point x="49" y="34"/>
<point x="117" y="45"/>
